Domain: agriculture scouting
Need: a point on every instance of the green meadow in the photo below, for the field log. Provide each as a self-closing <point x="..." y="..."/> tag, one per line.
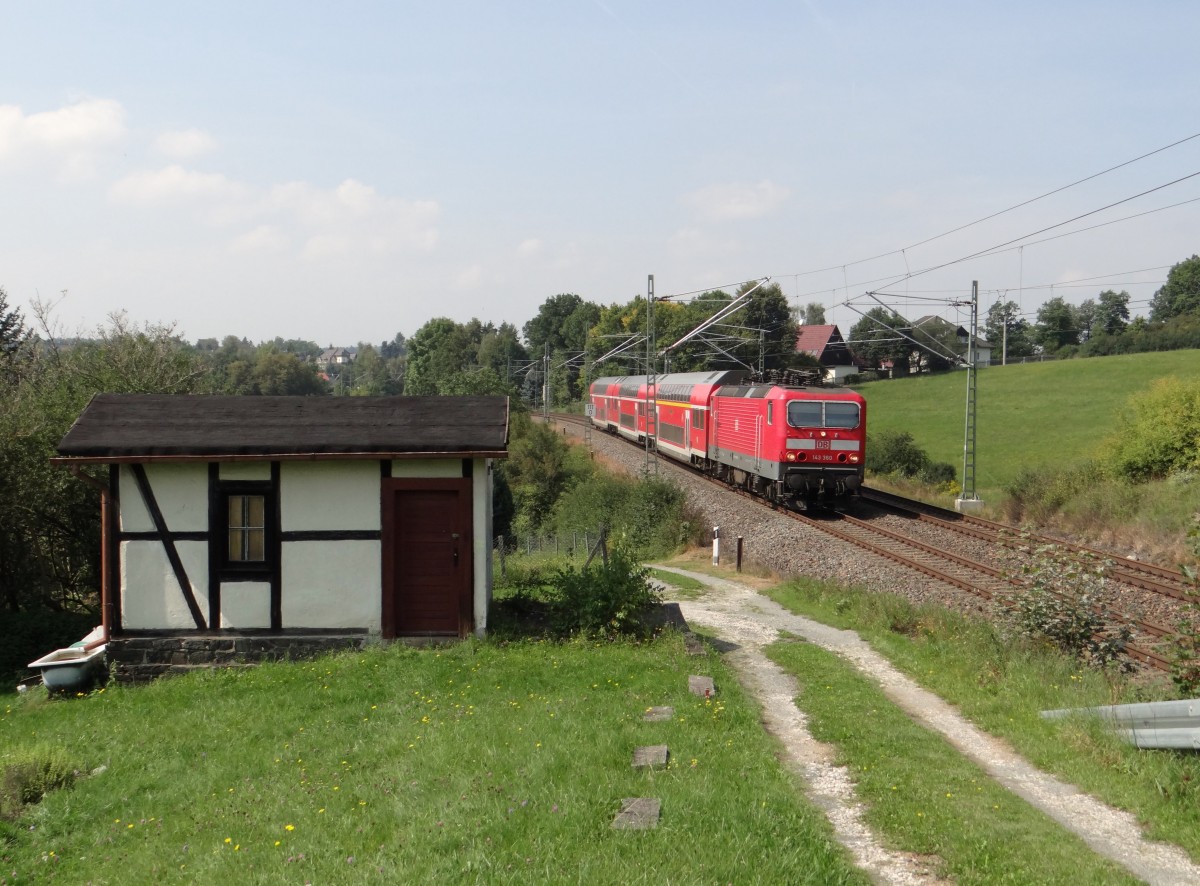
<point x="1055" y="413"/>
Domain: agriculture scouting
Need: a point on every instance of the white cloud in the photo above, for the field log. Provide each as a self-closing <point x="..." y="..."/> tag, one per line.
<point x="469" y="277"/>
<point x="737" y="201"/>
<point x="263" y="239"/>
<point x="70" y="137"/>
<point x="184" y="144"/>
<point x="530" y="247"/>
<point x="173" y="184"/>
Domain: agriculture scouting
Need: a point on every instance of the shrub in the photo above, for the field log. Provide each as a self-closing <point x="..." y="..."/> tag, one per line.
<point x="31" y="774"/>
<point x="1069" y="605"/>
<point x="1161" y="434"/>
<point x="605" y="598"/>
<point x="1185" y="645"/>
<point x="895" y="452"/>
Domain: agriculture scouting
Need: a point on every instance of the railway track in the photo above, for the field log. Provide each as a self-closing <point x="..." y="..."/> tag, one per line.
<point x="981" y="580"/>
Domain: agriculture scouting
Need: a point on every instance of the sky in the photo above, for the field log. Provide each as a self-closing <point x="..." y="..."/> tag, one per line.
<point x="344" y="172"/>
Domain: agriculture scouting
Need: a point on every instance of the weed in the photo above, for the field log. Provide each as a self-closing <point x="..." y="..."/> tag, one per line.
<point x="30" y="774"/>
<point x="1068" y="604"/>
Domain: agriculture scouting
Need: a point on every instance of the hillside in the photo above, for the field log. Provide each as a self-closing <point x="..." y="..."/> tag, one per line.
<point x="1028" y="414"/>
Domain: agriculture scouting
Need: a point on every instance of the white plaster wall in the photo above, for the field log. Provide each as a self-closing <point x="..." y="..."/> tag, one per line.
<point x="329" y="495"/>
<point x="427" y="467"/>
<point x="332" y="584"/>
<point x="245" y="470"/>
<point x="245" y="604"/>
<point x="481" y="532"/>
<point x="181" y="491"/>
<point x="150" y="594"/>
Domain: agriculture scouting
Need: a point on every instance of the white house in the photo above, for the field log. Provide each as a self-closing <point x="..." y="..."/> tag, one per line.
<point x="238" y="528"/>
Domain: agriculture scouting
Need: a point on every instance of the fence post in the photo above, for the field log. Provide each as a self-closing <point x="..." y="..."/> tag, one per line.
<point x="716" y="546"/>
<point x="739" y="554"/>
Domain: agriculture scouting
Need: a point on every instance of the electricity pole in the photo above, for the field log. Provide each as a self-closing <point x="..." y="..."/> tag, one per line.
<point x="970" y="501"/>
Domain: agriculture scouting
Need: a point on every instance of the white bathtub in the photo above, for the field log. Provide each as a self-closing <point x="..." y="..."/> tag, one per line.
<point x="70" y="669"/>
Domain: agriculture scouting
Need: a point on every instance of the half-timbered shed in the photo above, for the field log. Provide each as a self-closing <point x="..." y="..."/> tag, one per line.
<point x="238" y="528"/>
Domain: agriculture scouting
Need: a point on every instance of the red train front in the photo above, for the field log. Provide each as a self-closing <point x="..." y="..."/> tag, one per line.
<point x="788" y="442"/>
<point x="784" y="438"/>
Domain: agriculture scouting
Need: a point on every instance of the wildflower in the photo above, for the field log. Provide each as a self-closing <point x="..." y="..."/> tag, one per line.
<point x="228" y="839"/>
<point x="286" y="827"/>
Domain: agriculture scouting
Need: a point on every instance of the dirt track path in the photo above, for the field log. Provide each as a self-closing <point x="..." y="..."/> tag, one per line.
<point x="739" y="615"/>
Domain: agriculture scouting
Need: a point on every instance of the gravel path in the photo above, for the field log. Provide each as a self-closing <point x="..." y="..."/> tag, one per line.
<point x="738" y="615"/>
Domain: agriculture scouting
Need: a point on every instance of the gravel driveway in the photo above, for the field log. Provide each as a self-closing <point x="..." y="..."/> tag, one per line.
<point x="736" y="614"/>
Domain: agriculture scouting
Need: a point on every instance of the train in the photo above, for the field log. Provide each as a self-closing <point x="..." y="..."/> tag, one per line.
<point x="781" y="436"/>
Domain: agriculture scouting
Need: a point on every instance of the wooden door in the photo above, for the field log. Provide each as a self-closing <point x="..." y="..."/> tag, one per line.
<point x="427" y="565"/>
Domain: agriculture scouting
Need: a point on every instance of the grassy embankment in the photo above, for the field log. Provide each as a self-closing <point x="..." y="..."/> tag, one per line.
<point x="1049" y="415"/>
<point x="479" y="762"/>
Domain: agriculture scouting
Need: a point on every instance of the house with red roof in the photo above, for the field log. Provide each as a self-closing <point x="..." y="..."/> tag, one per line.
<point x="825" y="343"/>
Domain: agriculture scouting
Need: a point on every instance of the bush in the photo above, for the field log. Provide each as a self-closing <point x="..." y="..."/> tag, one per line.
<point x="1069" y="605"/>
<point x="1161" y="435"/>
<point x="31" y="774"/>
<point x="604" y="598"/>
<point x="647" y="516"/>
<point x="895" y="452"/>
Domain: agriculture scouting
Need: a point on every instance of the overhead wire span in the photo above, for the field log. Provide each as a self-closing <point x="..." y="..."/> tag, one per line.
<point x="993" y="215"/>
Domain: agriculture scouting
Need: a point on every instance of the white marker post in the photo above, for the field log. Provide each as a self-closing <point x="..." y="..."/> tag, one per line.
<point x="716" y="546"/>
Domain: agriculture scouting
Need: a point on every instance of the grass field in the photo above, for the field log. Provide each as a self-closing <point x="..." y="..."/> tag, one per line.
<point x="1028" y="414"/>
<point x="1001" y="684"/>
<point x="480" y="762"/>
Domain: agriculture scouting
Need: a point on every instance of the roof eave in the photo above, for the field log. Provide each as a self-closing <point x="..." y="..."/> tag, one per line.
<point x="66" y="460"/>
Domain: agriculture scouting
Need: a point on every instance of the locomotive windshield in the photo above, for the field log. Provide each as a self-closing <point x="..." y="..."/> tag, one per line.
<point x="822" y="414"/>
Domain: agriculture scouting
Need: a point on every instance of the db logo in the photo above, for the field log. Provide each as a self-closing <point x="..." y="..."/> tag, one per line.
<point x="822" y="444"/>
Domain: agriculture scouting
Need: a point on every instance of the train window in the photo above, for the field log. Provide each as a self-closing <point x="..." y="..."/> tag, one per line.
<point x="804" y="414"/>
<point x="770" y="412"/>
<point x="698" y="419"/>
<point x="841" y="415"/>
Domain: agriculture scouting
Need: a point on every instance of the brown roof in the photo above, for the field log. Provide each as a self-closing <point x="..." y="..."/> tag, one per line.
<point x="135" y="427"/>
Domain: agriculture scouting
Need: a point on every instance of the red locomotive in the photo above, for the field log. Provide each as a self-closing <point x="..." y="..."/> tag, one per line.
<point x="784" y="438"/>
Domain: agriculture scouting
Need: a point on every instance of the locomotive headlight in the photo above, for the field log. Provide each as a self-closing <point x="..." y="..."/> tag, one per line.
<point x="854" y="459"/>
<point x="824" y="434"/>
<point x="791" y="455"/>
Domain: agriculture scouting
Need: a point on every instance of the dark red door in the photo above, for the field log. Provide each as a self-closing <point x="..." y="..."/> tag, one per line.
<point x="427" y="565"/>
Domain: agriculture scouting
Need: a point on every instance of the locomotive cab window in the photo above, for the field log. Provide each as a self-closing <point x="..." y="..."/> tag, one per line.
<point x="770" y="412"/>
<point x="818" y="414"/>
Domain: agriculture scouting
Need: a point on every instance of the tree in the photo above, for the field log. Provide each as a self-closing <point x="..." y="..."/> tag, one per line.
<point x="1112" y="312"/>
<point x="1007" y="330"/>
<point x="1085" y="318"/>
<point x="1180" y="294"/>
<point x="1057" y="325"/>
<point x="769" y="327"/>
<point x="562" y="322"/>
<point x="436" y="351"/>
<point x="13" y="334"/>
<point x="814" y="314"/>
<point x="876" y="339"/>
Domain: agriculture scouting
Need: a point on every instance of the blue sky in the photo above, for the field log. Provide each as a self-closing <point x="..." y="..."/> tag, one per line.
<point x="345" y="172"/>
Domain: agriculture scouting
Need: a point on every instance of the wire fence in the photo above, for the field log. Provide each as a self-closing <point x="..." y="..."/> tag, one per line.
<point x="581" y="545"/>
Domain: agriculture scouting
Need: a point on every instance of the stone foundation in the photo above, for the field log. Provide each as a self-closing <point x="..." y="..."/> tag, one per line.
<point x="134" y="659"/>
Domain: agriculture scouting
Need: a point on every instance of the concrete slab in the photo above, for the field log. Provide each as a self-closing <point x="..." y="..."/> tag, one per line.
<point x="659" y="714"/>
<point x="653" y="756"/>
<point x="702" y="686"/>
<point x="638" y="814"/>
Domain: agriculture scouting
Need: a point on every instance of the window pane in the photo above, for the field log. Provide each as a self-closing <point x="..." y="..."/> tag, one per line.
<point x="256" y="547"/>
<point x="841" y="415"/>
<point x="235" y="545"/>
<point x="804" y="413"/>
<point x="255" y="510"/>
<point x="235" y="511"/>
